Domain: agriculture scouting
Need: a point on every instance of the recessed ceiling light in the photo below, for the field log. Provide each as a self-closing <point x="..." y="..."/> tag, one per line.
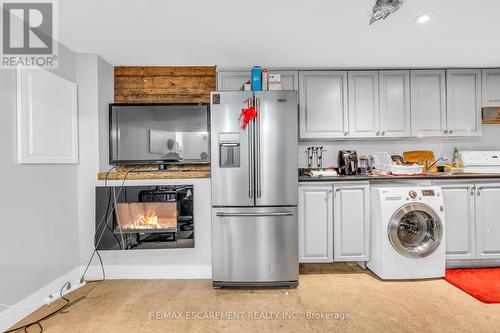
<point x="424" y="18"/>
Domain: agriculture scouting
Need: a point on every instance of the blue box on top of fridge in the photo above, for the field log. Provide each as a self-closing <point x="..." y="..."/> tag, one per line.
<point x="256" y="78"/>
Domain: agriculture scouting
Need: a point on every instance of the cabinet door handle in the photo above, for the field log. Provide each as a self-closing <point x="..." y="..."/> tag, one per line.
<point x="346" y="133"/>
<point x="450" y="131"/>
<point x="479" y="191"/>
<point x="471" y="189"/>
<point x="378" y="133"/>
<point x="383" y="133"/>
<point x="445" y="132"/>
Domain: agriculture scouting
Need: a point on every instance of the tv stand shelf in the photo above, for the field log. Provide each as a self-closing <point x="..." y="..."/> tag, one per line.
<point x="175" y="171"/>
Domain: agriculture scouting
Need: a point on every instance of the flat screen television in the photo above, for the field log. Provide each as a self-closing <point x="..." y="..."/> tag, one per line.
<point x="159" y="133"/>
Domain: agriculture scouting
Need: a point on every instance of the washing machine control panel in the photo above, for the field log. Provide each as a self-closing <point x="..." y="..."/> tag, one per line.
<point x="428" y="193"/>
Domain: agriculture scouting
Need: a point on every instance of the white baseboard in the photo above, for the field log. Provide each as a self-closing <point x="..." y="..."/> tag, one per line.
<point x="10" y="316"/>
<point x="128" y="272"/>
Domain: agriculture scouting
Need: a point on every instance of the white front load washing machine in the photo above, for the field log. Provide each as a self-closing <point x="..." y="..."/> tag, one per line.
<point x="407" y="232"/>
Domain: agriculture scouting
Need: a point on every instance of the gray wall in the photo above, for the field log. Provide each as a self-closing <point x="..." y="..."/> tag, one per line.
<point x="38" y="205"/>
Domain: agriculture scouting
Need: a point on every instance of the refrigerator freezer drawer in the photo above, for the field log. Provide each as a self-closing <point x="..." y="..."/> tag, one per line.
<point x="255" y="246"/>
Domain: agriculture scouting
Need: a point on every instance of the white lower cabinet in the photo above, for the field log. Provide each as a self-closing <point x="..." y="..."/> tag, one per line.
<point x="351" y="222"/>
<point x="472" y="220"/>
<point x="315" y="223"/>
<point x="334" y="222"/>
<point x="459" y="224"/>
<point x="488" y="221"/>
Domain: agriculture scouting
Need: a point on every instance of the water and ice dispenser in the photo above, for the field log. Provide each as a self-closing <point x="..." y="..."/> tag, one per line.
<point x="229" y="150"/>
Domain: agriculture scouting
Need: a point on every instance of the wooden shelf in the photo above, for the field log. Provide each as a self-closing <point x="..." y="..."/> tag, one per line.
<point x="151" y="172"/>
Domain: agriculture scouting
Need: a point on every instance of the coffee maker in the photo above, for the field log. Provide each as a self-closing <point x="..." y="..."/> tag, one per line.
<point x="348" y="162"/>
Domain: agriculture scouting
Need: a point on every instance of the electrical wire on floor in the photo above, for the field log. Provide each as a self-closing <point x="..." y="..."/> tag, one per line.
<point x="39" y="321"/>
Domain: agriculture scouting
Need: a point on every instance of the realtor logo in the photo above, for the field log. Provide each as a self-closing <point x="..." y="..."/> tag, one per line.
<point x="28" y="34"/>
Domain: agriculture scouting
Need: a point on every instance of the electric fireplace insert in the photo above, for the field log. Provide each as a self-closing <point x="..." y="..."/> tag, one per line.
<point x="144" y="217"/>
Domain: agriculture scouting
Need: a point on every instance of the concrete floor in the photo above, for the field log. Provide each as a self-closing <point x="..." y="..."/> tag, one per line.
<point x="355" y="300"/>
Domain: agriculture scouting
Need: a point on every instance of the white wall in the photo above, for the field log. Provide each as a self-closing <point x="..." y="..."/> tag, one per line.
<point x="489" y="141"/>
<point x="38" y="205"/>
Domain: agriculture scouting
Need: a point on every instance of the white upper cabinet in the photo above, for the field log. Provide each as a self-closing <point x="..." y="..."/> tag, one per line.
<point x="289" y="79"/>
<point x="323" y="104"/>
<point x="488" y="221"/>
<point x="363" y="104"/>
<point x="395" y="115"/>
<point x="233" y="81"/>
<point x="351" y="222"/>
<point x="463" y="93"/>
<point x="491" y="87"/>
<point x="315" y="223"/>
<point x="428" y="102"/>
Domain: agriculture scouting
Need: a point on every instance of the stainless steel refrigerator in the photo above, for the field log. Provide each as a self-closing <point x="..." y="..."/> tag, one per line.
<point x="254" y="189"/>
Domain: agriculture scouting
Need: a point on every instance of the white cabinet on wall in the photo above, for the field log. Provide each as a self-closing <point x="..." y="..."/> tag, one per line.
<point x="428" y="102"/>
<point x="351" y="223"/>
<point x="315" y="223"/>
<point x="460" y="229"/>
<point x="491" y="87"/>
<point x="488" y="221"/>
<point x="323" y="104"/>
<point x="395" y="109"/>
<point x="463" y="93"/>
<point x="233" y="81"/>
<point x="363" y="104"/>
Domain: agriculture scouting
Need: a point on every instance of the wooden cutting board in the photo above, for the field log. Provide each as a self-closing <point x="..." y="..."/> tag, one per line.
<point x="420" y="156"/>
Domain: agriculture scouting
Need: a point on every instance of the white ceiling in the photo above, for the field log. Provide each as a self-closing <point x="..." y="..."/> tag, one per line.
<point x="283" y="33"/>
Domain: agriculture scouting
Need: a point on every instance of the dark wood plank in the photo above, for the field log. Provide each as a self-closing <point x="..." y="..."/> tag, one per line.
<point x="161" y="84"/>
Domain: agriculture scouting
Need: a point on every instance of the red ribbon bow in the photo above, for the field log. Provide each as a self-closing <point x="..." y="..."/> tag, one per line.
<point x="247" y="115"/>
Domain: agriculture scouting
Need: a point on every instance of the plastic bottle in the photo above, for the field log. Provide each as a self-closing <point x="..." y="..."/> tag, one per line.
<point x="456" y="158"/>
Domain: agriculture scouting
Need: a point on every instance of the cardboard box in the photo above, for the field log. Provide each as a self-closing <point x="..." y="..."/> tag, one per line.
<point x="265" y="76"/>
<point x="274" y="81"/>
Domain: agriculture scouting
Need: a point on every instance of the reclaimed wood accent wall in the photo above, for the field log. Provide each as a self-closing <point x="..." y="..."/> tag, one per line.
<point x="137" y="84"/>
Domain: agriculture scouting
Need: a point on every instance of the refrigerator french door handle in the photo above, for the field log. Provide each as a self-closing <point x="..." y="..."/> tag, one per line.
<point x="222" y="214"/>
<point x="257" y="154"/>
<point x="250" y="155"/>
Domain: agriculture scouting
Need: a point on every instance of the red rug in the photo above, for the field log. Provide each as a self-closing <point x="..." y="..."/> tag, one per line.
<point x="481" y="283"/>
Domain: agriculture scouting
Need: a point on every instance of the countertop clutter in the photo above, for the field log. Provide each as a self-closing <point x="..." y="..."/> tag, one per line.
<point x="435" y="175"/>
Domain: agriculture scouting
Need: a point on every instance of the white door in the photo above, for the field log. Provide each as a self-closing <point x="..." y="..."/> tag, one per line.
<point x="488" y="221"/>
<point x="364" y="114"/>
<point x="232" y="81"/>
<point x="315" y="224"/>
<point x="323" y="104"/>
<point x="459" y="223"/>
<point x="491" y="87"/>
<point x="463" y="93"/>
<point x="351" y="223"/>
<point x="428" y="102"/>
<point x="395" y="112"/>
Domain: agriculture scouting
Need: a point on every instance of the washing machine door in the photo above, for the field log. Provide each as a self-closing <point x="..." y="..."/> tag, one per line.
<point x="415" y="230"/>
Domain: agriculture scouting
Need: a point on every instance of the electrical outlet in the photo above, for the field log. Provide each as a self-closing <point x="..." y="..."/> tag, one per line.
<point x="68" y="288"/>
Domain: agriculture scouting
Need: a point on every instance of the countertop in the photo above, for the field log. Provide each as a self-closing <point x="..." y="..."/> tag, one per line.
<point x="436" y="175"/>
